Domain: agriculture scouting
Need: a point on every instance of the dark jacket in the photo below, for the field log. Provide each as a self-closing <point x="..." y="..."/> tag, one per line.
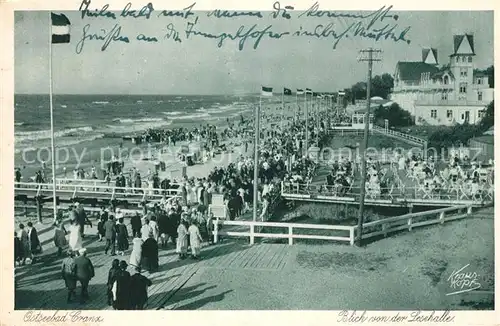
<point x="136" y="223"/>
<point x="110" y="229"/>
<point x="84" y="268"/>
<point x="34" y="241"/>
<point x="81" y="215"/>
<point x="139" y="289"/>
<point x="122" y="290"/>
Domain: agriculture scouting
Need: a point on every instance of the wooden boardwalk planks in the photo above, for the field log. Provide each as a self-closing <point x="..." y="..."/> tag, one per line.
<point x="40" y="286"/>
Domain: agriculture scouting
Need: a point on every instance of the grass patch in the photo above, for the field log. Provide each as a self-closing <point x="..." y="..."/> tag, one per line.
<point x="314" y="260"/>
<point x="434" y="270"/>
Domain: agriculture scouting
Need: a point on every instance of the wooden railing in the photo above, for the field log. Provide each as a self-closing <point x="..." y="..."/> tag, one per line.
<point x="401" y="136"/>
<point x="372" y="229"/>
<point x="485" y="192"/>
<point x="253" y="232"/>
<point x="414" y="220"/>
<point x="88" y="188"/>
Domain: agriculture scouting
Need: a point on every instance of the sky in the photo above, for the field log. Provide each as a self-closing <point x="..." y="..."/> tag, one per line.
<point x="198" y="66"/>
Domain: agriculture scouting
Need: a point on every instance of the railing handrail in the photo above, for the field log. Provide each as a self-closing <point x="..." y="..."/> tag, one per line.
<point x="287" y="225"/>
<point x="415" y="215"/>
<point x="75" y="186"/>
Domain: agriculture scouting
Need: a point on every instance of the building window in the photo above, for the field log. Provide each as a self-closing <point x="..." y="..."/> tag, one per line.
<point x="463" y="59"/>
<point x="479" y="96"/>
<point x="463" y="72"/>
<point x="434" y="114"/>
<point x="480" y="114"/>
<point x="449" y="114"/>
<point x="444" y="96"/>
<point x="463" y="88"/>
<point x="457" y="59"/>
<point x="479" y="81"/>
<point x="470" y="59"/>
<point x="446" y="80"/>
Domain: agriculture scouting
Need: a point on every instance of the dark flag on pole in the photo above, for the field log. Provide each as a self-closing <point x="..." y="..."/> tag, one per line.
<point x="287" y="91"/>
<point x="300" y="91"/>
<point x="309" y="91"/>
<point x="266" y="91"/>
<point x="60" y="28"/>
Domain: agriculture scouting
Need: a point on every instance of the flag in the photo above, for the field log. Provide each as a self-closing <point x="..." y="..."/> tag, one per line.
<point x="287" y="91"/>
<point x="300" y="91"/>
<point x="315" y="94"/>
<point x="266" y="91"/>
<point x="309" y="91"/>
<point x="60" y="28"/>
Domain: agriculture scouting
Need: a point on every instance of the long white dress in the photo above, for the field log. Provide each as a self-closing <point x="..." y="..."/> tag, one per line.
<point x="75" y="239"/>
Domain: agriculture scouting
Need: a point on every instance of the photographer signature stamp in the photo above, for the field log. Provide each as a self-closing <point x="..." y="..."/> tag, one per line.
<point x="463" y="280"/>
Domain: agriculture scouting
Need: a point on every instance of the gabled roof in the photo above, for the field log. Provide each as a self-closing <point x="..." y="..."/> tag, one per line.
<point x="413" y="70"/>
<point x="425" y="54"/>
<point x="457" y="41"/>
<point x="441" y="73"/>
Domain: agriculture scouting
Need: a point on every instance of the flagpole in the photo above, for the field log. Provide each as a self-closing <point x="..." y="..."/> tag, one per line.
<point x="282" y="108"/>
<point x="52" y="121"/>
<point x="296" y="107"/>
<point x="307" y="123"/>
<point x="256" y="159"/>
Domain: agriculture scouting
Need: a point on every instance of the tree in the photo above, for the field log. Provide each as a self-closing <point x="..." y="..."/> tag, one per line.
<point x="396" y="116"/>
<point x="382" y="85"/>
<point x="491" y="76"/>
<point x="488" y="119"/>
<point x="358" y="90"/>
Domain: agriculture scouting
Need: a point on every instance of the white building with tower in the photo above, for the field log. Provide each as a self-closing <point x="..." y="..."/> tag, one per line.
<point x="454" y="93"/>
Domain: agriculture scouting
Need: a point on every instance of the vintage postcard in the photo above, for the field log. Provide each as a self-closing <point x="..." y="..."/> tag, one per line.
<point x="259" y="156"/>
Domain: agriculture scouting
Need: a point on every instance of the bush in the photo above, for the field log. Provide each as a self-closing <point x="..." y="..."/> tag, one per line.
<point x="396" y="116"/>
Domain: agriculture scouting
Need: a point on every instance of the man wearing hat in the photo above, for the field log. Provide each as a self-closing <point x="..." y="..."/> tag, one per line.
<point x="84" y="272"/>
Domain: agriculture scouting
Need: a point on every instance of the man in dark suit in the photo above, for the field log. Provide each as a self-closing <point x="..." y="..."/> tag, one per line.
<point x="81" y="218"/>
<point x="139" y="290"/>
<point x="34" y="241"/>
<point x="84" y="272"/>
<point x="110" y="234"/>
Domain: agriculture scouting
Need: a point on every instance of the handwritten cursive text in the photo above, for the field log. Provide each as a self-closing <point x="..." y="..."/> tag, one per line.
<point x="106" y="36"/>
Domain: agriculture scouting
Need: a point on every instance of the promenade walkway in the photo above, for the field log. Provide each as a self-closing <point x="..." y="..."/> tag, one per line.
<point x="40" y="286"/>
<point x="406" y="271"/>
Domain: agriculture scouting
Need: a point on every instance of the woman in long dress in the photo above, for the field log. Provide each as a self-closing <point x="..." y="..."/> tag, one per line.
<point x="75" y="238"/>
<point x="195" y="240"/>
<point x="182" y="240"/>
<point x="121" y="237"/>
<point x="135" y="256"/>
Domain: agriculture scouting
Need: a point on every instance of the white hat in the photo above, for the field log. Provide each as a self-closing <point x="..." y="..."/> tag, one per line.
<point x="82" y="251"/>
<point x="76" y="204"/>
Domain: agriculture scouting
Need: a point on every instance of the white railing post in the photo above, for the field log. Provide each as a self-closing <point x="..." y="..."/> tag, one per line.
<point x="252" y="234"/>
<point x="410" y="220"/>
<point x="384" y="229"/>
<point x="441" y="217"/>
<point x="216" y="230"/>
<point x="351" y="236"/>
<point x="290" y="235"/>
<point x="469" y="210"/>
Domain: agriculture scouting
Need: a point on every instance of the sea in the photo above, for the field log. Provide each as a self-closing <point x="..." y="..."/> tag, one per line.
<point x="84" y="118"/>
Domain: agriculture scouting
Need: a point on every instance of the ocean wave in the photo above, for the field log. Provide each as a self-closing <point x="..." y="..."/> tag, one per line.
<point x="22" y="136"/>
<point x="128" y="121"/>
<point x="173" y="113"/>
<point x="62" y="142"/>
<point x="135" y="127"/>
<point x="18" y="124"/>
<point x="100" y="102"/>
<point x="191" y="116"/>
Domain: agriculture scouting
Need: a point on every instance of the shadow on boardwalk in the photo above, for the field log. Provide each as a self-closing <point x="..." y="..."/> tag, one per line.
<point x="40" y="286"/>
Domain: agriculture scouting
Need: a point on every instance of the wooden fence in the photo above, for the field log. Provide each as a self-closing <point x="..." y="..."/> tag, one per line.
<point x="372" y="229"/>
<point x="401" y="136"/>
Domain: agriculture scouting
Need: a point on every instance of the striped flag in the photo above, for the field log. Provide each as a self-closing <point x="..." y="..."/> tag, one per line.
<point x="309" y="91"/>
<point x="300" y="91"/>
<point x="287" y="91"/>
<point x="266" y="91"/>
<point x="60" y="28"/>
